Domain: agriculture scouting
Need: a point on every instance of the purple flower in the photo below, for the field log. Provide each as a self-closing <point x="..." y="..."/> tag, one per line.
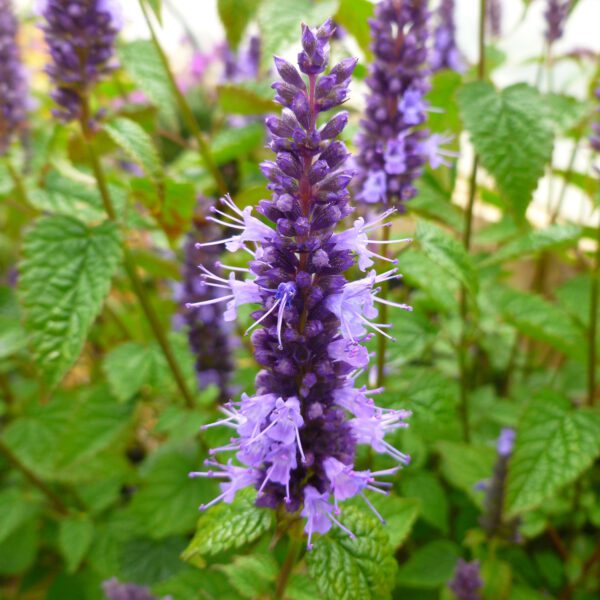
<point x="595" y="137"/>
<point x="296" y="436"/>
<point x="445" y="53"/>
<point x="13" y="84"/>
<point x="243" y="64"/>
<point x="114" y="590"/>
<point x="80" y="35"/>
<point x="556" y="14"/>
<point x="208" y="335"/>
<point x="506" y="441"/>
<point x="390" y="156"/>
<point x="466" y="582"/>
<point x="493" y="17"/>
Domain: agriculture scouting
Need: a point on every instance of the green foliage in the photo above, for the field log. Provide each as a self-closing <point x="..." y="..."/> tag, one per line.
<point x="227" y="527"/>
<point x="235" y="16"/>
<point x="246" y="98"/>
<point x="353" y="16"/>
<point x="65" y="275"/>
<point x="555" y="444"/>
<point x="512" y="134"/>
<point x="345" y="568"/>
<point x="430" y="566"/>
<point x="252" y="576"/>
<point x="74" y="539"/>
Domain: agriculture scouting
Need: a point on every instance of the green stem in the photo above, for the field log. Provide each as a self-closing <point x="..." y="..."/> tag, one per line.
<point x="136" y="283"/>
<point x="55" y="500"/>
<point x="19" y="186"/>
<point x="382" y="340"/>
<point x="593" y="328"/>
<point x="288" y="566"/>
<point x="185" y="109"/>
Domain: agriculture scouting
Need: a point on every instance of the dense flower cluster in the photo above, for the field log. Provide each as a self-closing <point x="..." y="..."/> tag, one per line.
<point x="445" y="54"/>
<point x="467" y="580"/>
<point x="493" y="17"/>
<point x="114" y="590"/>
<point x="208" y="334"/>
<point x="296" y="436"/>
<point x="13" y="86"/>
<point x="392" y="149"/>
<point x="80" y="35"/>
<point x="556" y="15"/>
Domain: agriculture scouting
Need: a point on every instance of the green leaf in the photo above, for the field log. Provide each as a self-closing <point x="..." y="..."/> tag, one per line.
<point x="430" y="566"/>
<point x="301" y="587"/>
<point x="345" y="568"/>
<point x="281" y="28"/>
<point x="555" y="445"/>
<point x="566" y="112"/>
<point x="436" y="205"/>
<point x="512" y="133"/>
<point x="353" y="16"/>
<point x="448" y="253"/>
<point x="231" y="143"/>
<point x="400" y="515"/>
<point x="464" y="466"/>
<point x="444" y="86"/>
<point x="15" y="510"/>
<point x="540" y="320"/>
<point x="167" y="500"/>
<point x="128" y="367"/>
<point x="65" y="275"/>
<point x="535" y="241"/>
<point x="235" y="16"/>
<point x="497" y="579"/>
<point x="75" y="535"/>
<point x="252" y="576"/>
<point x="137" y="144"/>
<point x="141" y="60"/>
<point x="227" y="527"/>
<point x="431" y="495"/>
<point x="19" y="549"/>
<point x="156" y="6"/>
<point x="12" y="336"/>
<point x="148" y="562"/>
<point x="246" y="98"/>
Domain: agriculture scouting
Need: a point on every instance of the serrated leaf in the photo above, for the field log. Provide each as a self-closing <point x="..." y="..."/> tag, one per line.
<point x="281" y="28"/>
<point x="141" y="60"/>
<point x="246" y="98"/>
<point x="448" y="253"/>
<point x="512" y="133"/>
<point x="65" y="275"/>
<point x="137" y="144"/>
<point x="75" y="535"/>
<point x="252" y="576"/>
<point x="353" y="16"/>
<point x="345" y="568"/>
<point x="430" y="566"/>
<point x="555" y="444"/>
<point x="148" y="562"/>
<point x="535" y="241"/>
<point x="235" y="16"/>
<point x="167" y="500"/>
<point x="227" y="527"/>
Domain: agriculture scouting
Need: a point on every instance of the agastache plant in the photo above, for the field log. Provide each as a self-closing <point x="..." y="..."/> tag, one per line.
<point x="466" y="582"/>
<point x="393" y="148"/>
<point x="556" y="16"/>
<point x="445" y="54"/>
<point x="296" y="436"/>
<point x="80" y="35"/>
<point x="13" y="85"/>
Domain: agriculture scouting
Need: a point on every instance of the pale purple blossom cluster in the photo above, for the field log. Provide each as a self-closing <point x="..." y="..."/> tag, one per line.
<point x="466" y="583"/>
<point x="115" y="590"/>
<point x="445" y="53"/>
<point x="13" y="84"/>
<point x="556" y="14"/>
<point x="295" y="438"/>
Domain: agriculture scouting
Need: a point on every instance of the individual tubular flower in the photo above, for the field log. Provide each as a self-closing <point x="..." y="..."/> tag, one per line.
<point x="115" y="590"/>
<point x="556" y="15"/>
<point x="295" y="437"/>
<point x="208" y="335"/>
<point x="466" y="582"/>
<point x="391" y="146"/>
<point x="493" y="17"/>
<point x="13" y="86"/>
<point x="80" y="35"/>
<point x="445" y="54"/>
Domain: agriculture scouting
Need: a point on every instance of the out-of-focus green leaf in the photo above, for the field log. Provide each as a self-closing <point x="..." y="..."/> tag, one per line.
<point x="137" y="144"/>
<point x="246" y="98"/>
<point x="566" y="112"/>
<point x="301" y="587"/>
<point x="141" y="60"/>
<point x="534" y="241"/>
<point x="436" y="205"/>
<point x="75" y="535"/>
<point x="444" y="86"/>
<point x="235" y="16"/>
<point x="229" y="144"/>
<point x="65" y="275"/>
<point x="448" y="253"/>
<point x="156" y="6"/>
<point x="128" y="367"/>
<point x="555" y="444"/>
<point x="15" y="510"/>
<point x="227" y="527"/>
<point x="353" y="16"/>
<point x="18" y="550"/>
<point x="512" y="133"/>
<point x="345" y="568"/>
<point x="497" y="579"/>
<point x="430" y="566"/>
<point x="432" y="497"/>
<point x="12" y="336"/>
<point x="252" y="576"/>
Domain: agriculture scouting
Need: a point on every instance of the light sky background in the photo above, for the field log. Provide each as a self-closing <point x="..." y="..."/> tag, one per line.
<point x="522" y="40"/>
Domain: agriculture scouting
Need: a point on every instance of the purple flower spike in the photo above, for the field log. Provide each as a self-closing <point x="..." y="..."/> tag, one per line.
<point x="115" y="590"/>
<point x="556" y="14"/>
<point x="390" y="145"/>
<point x="13" y="85"/>
<point x="445" y="53"/>
<point x="296" y="437"/>
<point x="595" y="137"/>
<point x="467" y="580"/>
<point x="493" y="17"/>
<point x="80" y="35"/>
